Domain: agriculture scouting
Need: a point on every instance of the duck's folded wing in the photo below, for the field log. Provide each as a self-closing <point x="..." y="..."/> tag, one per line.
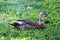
<point x="32" y="23"/>
<point x="29" y="22"/>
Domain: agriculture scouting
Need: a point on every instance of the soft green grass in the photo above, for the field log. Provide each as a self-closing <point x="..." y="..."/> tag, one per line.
<point x="51" y="32"/>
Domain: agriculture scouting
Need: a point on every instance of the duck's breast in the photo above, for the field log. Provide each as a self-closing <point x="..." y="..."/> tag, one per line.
<point x="42" y="25"/>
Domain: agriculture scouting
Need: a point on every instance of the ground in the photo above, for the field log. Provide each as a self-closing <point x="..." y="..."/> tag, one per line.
<point x="9" y="13"/>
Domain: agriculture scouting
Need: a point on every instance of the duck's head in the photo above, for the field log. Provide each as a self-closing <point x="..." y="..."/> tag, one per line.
<point x="43" y="14"/>
<point x="41" y="21"/>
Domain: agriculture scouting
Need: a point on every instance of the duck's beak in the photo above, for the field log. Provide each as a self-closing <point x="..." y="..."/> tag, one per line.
<point x="47" y="16"/>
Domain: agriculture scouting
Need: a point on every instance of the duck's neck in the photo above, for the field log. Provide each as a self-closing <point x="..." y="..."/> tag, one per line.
<point x="41" y="19"/>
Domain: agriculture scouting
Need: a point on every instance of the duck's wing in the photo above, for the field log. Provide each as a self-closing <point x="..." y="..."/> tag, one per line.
<point x="29" y="22"/>
<point x="15" y="24"/>
<point x="25" y="20"/>
<point x="26" y="24"/>
<point x="18" y="23"/>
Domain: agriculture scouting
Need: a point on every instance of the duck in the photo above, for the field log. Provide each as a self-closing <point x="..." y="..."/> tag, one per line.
<point x="30" y="24"/>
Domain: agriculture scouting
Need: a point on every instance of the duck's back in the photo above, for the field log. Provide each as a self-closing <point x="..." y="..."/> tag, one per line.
<point x="29" y="22"/>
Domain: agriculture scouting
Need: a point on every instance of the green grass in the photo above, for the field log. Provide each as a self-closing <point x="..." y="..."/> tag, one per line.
<point x="51" y="32"/>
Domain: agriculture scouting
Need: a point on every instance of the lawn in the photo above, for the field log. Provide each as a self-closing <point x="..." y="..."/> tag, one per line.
<point x="11" y="11"/>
